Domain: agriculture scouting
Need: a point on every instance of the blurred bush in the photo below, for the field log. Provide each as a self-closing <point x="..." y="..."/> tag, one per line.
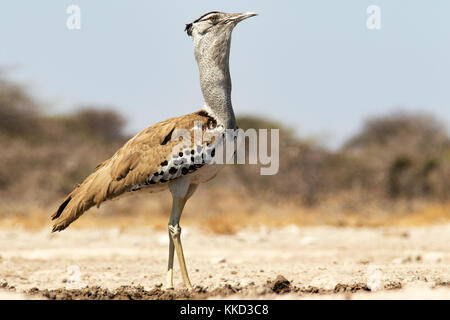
<point x="395" y="157"/>
<point x="43" y="157"/>
<point x="398" y="156"/>
<point x="18" y="112"/>
<point x="407" y="155"/>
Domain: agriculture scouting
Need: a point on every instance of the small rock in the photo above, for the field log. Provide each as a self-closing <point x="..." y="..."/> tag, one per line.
<point x="408" y="259"/>
<point x="280" y="285"/>
<point x="218" y="260"/>
<point x="404" y="234"/>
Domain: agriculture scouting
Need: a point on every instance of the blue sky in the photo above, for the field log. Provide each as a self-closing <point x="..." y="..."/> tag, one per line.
<point x="312" y="64"/>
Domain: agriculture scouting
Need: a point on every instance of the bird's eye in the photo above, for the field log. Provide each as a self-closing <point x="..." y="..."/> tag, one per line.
<point x="213" y="18"/>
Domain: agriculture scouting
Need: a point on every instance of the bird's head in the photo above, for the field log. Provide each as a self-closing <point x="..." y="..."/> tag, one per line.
<point x="215" y="22"/>
<point x="213" y="29"/>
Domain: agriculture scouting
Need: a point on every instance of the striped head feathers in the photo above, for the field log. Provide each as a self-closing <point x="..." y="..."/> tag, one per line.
<point x="214" y="21"/>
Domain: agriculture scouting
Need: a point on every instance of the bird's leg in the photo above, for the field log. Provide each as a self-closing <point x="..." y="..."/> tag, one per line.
<point x="181" y="190"/>
<point x="170" y="266"/>
<point x="175" y="233"/>
<point x="175" y="243"/>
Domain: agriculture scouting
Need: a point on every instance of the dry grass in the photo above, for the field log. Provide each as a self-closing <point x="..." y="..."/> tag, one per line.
<point x="433" y="214"/>
<point x="228" y="215"/>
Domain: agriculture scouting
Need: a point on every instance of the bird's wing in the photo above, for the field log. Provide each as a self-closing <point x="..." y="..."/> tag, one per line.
<point x="141" y="157"/>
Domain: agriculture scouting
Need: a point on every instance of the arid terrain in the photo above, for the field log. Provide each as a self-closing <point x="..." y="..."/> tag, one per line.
<point x="369" y="218"/>
<point x="264" y="263"/>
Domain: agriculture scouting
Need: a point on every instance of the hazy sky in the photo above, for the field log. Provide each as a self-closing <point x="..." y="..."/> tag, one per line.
<point x="312" y="64"/>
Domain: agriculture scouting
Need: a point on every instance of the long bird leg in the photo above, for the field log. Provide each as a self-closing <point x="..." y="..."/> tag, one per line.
<point x="174" y="237"/>
<point x="170" y="266"/>
<point x="175" y="233"/>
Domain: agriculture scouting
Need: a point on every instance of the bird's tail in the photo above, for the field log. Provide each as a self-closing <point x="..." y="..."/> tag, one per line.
<point x="71" y="208"/>
<point x="91" y="192"/>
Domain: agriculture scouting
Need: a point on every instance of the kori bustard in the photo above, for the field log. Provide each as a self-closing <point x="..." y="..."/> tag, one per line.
<point x="150" y="161"/>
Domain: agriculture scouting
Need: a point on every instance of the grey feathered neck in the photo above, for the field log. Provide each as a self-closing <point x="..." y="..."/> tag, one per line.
<point x="212" y="54"/>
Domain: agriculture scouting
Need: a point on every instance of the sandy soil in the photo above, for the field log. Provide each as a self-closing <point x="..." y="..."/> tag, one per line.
<point x="268" y="263"/>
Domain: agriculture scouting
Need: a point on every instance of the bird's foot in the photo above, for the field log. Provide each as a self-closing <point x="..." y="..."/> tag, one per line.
<point x="189" y="287"/>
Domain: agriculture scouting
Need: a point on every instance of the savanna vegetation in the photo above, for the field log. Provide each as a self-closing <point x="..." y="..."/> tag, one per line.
<point x="396" y="169"/>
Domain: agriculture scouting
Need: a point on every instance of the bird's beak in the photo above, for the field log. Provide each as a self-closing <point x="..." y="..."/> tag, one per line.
<point x="242" y="16"/>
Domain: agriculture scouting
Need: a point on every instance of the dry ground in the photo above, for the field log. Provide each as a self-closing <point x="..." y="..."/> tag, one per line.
<point x="316" y="262"/>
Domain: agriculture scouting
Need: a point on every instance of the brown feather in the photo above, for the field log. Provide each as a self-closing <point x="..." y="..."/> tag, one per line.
<point x="129" y="166"/>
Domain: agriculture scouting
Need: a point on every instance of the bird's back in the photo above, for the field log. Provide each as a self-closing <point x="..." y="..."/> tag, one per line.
<point x="146" y="161"/>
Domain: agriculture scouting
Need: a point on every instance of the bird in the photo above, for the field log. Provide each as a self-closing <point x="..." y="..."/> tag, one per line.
<point x="155" y="160"/>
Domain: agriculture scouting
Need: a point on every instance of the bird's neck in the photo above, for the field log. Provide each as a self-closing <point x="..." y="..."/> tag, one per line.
<point x="215" y="81"/>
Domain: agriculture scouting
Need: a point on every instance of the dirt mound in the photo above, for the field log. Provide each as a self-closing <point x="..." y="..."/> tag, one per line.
<point x="279" y="286"/>
<point x="131" y="293"/>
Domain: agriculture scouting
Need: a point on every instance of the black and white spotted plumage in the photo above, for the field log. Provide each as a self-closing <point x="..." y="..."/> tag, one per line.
<point x="186" y="161"/>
